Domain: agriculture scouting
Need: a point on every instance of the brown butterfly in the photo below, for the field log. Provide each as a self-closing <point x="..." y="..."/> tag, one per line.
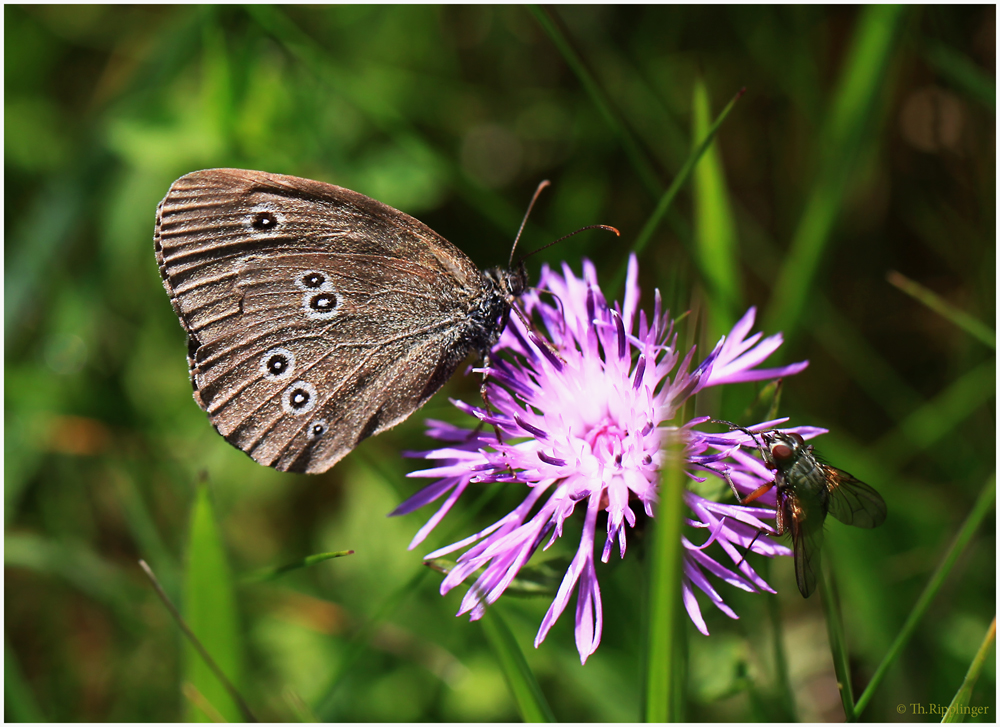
<point x="316" y="316"/>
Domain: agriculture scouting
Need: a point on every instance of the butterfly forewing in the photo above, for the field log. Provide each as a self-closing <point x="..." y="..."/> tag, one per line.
<point x="316" y="316"/>
<point x="852" y="501"/>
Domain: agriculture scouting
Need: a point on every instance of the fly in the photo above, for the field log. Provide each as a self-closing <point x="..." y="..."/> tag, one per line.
<point x="808" y="489"/>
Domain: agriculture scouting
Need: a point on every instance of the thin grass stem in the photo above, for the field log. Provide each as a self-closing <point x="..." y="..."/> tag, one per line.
<point x="968" y="323"/>
<point x="637" y="158"/>
<point x="957" y="710"/>
<point x="198" y="646"/>
<point x="780" y="658"/>
<point x="980" y="509"/>
<point x="522" y="682"/>
<point x="859" y="91"/>
<point x="838" y="643"/>
<point x="270" y="574"/>
<point x="682" y="176"/>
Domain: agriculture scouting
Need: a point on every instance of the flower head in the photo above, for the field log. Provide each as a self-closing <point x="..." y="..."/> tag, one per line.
<point x="580" y="419"/>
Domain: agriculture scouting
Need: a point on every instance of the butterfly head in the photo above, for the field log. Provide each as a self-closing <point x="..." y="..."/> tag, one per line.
<point x="514" y="280"/>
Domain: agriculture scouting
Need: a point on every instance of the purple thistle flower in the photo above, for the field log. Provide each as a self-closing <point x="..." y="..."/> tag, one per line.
<point x="583" y="419"/>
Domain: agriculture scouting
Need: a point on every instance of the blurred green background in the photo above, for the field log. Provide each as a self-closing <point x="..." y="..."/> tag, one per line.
<point x="864" y="144"/>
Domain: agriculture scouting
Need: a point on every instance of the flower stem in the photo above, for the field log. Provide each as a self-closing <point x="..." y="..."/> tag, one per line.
<point x="663" y="673"/>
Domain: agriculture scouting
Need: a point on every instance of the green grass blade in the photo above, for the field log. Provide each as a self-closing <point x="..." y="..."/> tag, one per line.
<point x="834" y="331"/>
<point x="20" y="704"/>
<point x="963" y="73"/>
<point x="635" y="155"/>
<point x="79" y="565"/>
<point x="270" y="574"/>
<point x="194" y="696"/>
<point x="523" y="685"/>
<point x="668" y="197"/>
<point x="838" y="643"/>
<point x="981" y="508"/>
<point x="971" y="325"/>
<point x="663" y="674"/>
<point x="344" y="82"/>
<point x="939" y="416"/>
<point x="958" y="709"/>
<point x="859" y="91"/>
<point x="210" y="612"/>
<point x="714" y="228"/>
<point x="327" y="704"/>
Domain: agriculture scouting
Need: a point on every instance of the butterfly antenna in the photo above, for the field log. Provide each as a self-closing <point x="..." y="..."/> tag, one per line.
<point x="609" y="228"/>
<point x="541" y="185"/>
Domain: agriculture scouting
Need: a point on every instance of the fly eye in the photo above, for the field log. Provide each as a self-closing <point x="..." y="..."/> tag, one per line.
<point x="781" y="452"/>
<point x="797" y="437"/>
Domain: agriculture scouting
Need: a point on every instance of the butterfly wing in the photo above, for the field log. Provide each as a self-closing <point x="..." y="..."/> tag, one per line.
<point x="316" y="316"/>
<point x="852" y="501"/>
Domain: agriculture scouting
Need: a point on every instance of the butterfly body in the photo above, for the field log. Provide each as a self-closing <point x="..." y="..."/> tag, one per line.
<point x="316" y="316"/>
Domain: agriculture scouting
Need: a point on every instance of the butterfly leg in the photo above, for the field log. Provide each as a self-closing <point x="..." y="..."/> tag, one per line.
<point x="550" y="351"/>
<point x="484" y="393"/>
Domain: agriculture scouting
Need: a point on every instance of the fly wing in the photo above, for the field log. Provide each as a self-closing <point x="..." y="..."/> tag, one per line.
<point x="807" y="540"/>
<point x="852" y="501"/>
